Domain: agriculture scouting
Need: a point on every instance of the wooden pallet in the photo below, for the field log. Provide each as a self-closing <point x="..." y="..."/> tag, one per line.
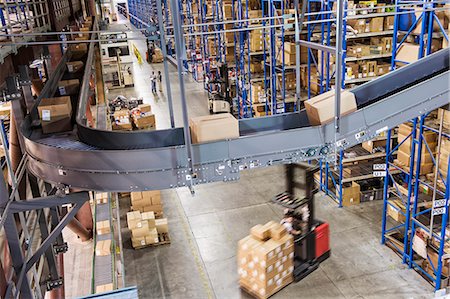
<point x="164" y="239"/>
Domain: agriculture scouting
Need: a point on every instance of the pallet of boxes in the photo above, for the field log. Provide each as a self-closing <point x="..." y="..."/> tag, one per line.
<point x="147" y="226"/>
<point x="265" y="260"/>
<point x="142" y="117"/>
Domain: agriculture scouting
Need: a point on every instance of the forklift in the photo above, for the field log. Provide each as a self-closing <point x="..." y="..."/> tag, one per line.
<point x="312" y="243"/>
<point x="219" y="99"/>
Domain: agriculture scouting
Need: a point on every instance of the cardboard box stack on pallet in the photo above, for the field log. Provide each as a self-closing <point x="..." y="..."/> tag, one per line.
<point x="138" y="118"/>
<point x="143" y="118"/>
<point x="265" y="260"/>
<point x="122" y="120"/>
<point x="404" y="151"/>
<point x="147" y="201"/>
<point x="146" y="229"/>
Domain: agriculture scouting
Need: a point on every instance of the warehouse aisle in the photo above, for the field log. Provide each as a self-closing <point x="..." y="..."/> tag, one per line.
<point x="196" y="96"/>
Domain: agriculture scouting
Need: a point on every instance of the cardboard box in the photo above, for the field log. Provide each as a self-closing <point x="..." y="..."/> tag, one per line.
<point x="358" y="50"/>
<point x="376" y="24"/>
<point x="69" y="87"/>
<point x="446" y="116"/>
<point x="260" y="232"/>
<point x="370" y="145"/>
<point x="74" y="66"/>
<point x="162" y="225"/>
<point x="404" y="159"/>
<point x="140" y="232"/>
<point x="405" y="129"/>
<point x="145" y="108"/>
<point x="277" y="231"/>
<point x="149" y="218"/>
<point x="351" y="195"/>
<point x="320" y="109"/>
<point x="214" y="127"/>
<point x="408" y="52"/>
<point x="383" y="68"/>
<point x="103" y="227"/>
<point x="144" y="120"/>
<point x="152" y="238"/>
<point x="78" y="50"/>
<point x="104" y="288"/>
<point x="267" y="252"/>
<point x="154" y="208"/>
<point x="395" y="209"/>
<point x="103" y="248"/>
<point x="55" y="114"/>
<point x="359" y="25"/>
<point x="101" y="198"/>
<point x="138" y="242"/>
<point x="388" y="23"/>
<point x="134" y="220"/>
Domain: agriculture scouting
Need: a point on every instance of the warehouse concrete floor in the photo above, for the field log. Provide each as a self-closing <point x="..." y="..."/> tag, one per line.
<point x="205" y="229"/>
<point x="200" y="262"/>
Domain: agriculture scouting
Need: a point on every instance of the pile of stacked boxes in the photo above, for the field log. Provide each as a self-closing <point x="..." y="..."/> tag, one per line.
<point x="137" y="118"/>
<point x="146" y="229"/>
<point x="265" y="260"/>
<point x="145" y="220"/>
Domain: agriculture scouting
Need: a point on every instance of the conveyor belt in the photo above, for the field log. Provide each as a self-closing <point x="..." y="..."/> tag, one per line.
<point x="122" y="161"/>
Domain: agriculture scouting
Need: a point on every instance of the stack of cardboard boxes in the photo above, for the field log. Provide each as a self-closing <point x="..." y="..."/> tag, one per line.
<point x="122" y="120"/>
<point x="143" y="118"/>
<point x="404" y="151"/>
<point x="158" y="56"/>
<point x="265" y="260"/>
<point x="258" y="92"/>
<point x="257" y="40"/>
<point x="147" y="201"/>
<point x="351" y="194"/>
<point x="145" y="228"/>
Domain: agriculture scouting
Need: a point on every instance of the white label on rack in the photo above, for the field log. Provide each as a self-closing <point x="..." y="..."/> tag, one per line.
<point x="46" y="115"/>
<point x="439" y="203"/>
<point x="379" y="166"/>
<point x="62" y="90"/>
<point x="379" y="174"/>
<point x="439" y="211"/>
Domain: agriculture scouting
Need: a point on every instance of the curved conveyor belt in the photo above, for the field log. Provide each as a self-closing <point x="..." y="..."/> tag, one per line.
<point x="127" y="161"/>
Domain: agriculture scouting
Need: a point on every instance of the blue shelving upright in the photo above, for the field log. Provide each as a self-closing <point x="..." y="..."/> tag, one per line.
<point x="417" y="216"/>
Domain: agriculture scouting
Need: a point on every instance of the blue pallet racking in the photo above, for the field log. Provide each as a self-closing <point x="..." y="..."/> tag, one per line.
<point x="422" y="213"/>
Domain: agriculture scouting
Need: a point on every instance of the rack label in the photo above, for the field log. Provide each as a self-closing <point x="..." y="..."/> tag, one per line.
<point x="46" y="115"/>
<point x="379" y="174"/>
<point x="379" y="166"/>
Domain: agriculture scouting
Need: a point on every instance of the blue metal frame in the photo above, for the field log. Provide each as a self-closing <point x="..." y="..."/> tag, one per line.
<point x="412" y="222"/>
